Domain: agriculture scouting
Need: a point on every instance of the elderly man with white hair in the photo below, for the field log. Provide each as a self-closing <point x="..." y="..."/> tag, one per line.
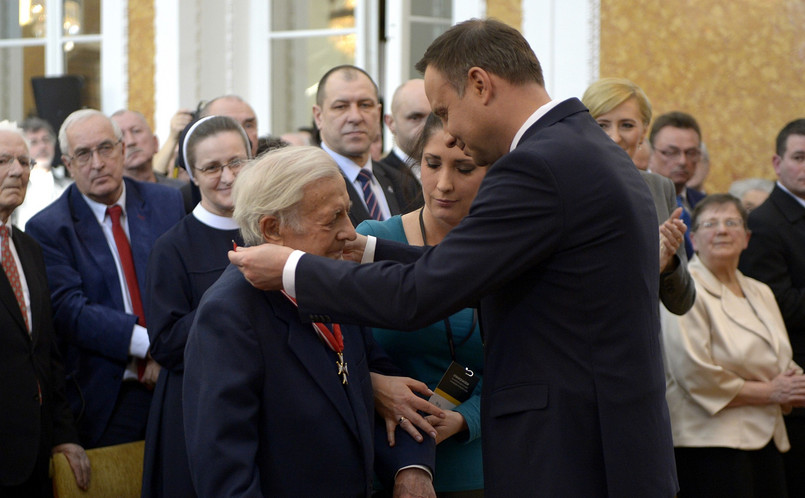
<point x="274" y="406"/>
<point x="96" y="240"/>
<point x="36" y="417"/>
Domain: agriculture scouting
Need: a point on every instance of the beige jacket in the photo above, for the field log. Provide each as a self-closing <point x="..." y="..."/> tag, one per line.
<point x="712" y="352"/>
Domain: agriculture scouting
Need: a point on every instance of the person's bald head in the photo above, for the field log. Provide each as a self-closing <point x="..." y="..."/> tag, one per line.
<point x="237" y="109"/>
<point x="409" y="109"/>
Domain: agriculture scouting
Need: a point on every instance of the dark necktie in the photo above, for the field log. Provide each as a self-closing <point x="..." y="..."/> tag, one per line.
<point x="127" y="262"/>
<point x="686" y="218"/>
<point x="365" y="177"/>
<point x="10" y="267"/>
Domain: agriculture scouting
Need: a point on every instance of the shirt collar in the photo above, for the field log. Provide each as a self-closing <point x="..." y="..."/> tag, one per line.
<point x="213" y="220"/>
<point x="349" y="167"/>
<point x="99" y="210"/>
<point x="798" y="199"/>
<point x="543" y="110"/>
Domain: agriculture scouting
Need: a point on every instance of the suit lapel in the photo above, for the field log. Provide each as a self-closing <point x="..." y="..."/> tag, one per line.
<point x="357" y="212"/>
<point x="387" y="186"/>
<point x="36" y="287"/>
<point x="316" y="358"/>
<point x="91" y="237"/>
<point x="137" y="212"/>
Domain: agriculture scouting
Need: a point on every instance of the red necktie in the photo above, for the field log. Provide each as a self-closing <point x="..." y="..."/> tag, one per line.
<point x="127" y="262"/>
<point x="10" y="267"/>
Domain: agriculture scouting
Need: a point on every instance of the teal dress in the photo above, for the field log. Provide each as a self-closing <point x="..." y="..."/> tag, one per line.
<point x="424" y="355"/>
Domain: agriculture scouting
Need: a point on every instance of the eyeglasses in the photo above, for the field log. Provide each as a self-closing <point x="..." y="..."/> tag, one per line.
<point x="6" y="161"/>
<point x="729" y="223"/>
<point x="216" y="169"/>
<point x="82" y="157"/>
<point x="672" y="153"/>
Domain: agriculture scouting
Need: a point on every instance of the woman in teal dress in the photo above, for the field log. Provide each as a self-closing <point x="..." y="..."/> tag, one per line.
<point x="450" y="181"/>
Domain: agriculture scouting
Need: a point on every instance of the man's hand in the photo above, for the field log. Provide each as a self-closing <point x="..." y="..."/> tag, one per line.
<point x="151" y="373"/>
<point x="353" y="250"/>
<point x="79" y="462"/>
<point x="396" y="399"/>
<point x="262" y="265"/>
<point x="449" y="426"/>
<point x="413" y="483"/>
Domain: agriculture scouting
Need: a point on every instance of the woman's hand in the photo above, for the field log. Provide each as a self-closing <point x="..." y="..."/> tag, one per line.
<point x="672" y="235"/>
<point x="449" y="426"/>
<point x="397" y="402"/>
<point x="788" y="388"/>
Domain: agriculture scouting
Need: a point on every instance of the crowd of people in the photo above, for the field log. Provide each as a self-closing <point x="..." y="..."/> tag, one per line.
<point x="525" y="297"/>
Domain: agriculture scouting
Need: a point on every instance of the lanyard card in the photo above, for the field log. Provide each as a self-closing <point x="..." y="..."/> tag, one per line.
<point x="455" y="387"/>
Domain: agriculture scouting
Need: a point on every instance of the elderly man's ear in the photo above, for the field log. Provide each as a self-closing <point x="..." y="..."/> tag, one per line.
<point x="270" y="228"/>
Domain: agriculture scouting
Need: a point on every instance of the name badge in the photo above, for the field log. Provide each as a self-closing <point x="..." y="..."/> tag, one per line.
<point x="456" y="387"/>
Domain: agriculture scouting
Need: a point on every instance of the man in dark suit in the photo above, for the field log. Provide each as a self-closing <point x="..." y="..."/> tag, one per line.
<point x="274" y="406"/>
<point x="36" y="419"/>
<point x="96" y="239"/>
<point x="775" y="256"/>
<point x="561" y="249"/>
<point x="409" y="109"/>
<point x="347" y="114"/>
<point x="676" y="140"/>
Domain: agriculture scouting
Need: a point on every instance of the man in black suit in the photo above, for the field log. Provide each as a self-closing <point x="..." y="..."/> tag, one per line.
<point x="36" y="419"/>
<point x="347" y="114"/>
<point x="409" y="109"/>
<point x="561" y="249"/>
<point x="775" y="256"/>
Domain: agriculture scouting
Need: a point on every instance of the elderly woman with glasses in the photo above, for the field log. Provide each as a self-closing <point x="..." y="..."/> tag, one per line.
<point x="730" y="371"/>
<point x="274" y="406"/>
<point x="184" y="263"/>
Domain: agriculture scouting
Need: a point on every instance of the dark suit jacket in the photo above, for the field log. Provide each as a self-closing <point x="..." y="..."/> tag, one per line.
<point x="358" y="211"/>
<point x="265" y="411"/>
<point x="88" y="305"/>
<point x="560" y="246"/>
<point x="409" y="191"/>
<point x="776" y="257"/>
<point x="28" y="362"/>
<point x="694" y="196"/>
<point x="677" y="290"/>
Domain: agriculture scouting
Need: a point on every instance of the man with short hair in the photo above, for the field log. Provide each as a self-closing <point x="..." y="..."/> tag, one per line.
<point x="409" y="109"/>
<point x="36" y="419"/>
<point x="46" y="183"/>
<point x="238" y="109"/>
<point x="347" y="113"/>
<point x="562" y="263"/>
<point x="776" y="257"/>
<point x="676" y="140"/>
<point x="141" y="145"/>
<point x="96" y="239"/>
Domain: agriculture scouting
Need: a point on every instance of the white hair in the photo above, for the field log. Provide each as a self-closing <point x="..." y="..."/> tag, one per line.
<point x="273" y="185"/>
<point x="77" y="117"/>
<point x="11" y="126"/>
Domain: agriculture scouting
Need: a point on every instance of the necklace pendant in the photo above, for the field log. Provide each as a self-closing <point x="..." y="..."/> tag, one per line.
<point x="343" y="371"/>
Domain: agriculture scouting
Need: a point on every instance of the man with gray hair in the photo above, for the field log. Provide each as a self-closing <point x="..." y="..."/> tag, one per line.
<point x="141" y="146"/>
<point x="96" y="239"/>
<point x="304" y="393"/>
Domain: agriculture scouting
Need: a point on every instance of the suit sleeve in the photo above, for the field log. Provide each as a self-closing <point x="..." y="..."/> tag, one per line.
<point x="222" y="401"/>
<point x="767" y="259"/>
<point x="169" y="304"/>
<point x="500" y="239"/>
<point x="80" y="321"/>
<point x="677" y="290"/>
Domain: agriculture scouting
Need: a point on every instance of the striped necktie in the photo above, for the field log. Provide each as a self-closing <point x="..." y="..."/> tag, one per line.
<point x="365" y="177"/>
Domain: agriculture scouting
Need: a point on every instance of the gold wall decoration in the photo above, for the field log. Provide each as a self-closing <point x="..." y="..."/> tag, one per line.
<point x="508" y="11"/>
<point x="141" y="59"/>
<point x="737" y="66"/>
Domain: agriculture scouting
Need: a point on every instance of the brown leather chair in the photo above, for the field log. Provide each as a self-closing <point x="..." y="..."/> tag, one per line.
<point x="116" y="471"/>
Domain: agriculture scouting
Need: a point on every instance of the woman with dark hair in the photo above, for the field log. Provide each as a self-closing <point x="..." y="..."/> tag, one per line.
<point x="450" y="181"/>
<point x="185" y="261"/>
<point x="730" y="371"/>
